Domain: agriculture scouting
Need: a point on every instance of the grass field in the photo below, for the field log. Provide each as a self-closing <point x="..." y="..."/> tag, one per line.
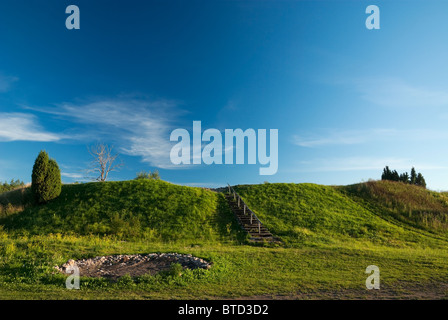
<point x="330" y="235"/>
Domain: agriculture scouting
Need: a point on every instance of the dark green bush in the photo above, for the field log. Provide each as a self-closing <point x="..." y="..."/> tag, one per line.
<point x="53" y="180"/>
<point x="45" y="179"/>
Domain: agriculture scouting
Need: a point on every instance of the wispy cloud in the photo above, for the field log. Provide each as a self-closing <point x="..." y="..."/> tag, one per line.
<point x="6" y="82"/>
<point x="72" y="175"/>
<point x="395" y="92"/>
<point x="363" y="163"/>
<point x="331" y="137"/>
<point x="355" y="137"/>
<point x="139" y="127"/>
<point x="23" y="127"/>
<point x="398" y="93"/>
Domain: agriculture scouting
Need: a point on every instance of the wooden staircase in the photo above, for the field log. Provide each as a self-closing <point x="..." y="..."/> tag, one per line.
<point x="247" y="219"/>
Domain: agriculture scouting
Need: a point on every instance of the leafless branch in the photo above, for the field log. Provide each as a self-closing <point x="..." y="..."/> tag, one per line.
<point x="104" y="161"/>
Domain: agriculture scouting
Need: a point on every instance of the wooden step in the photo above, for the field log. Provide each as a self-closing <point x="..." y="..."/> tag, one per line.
<point x="264" y="236"/>
<point x="257" y="233"/>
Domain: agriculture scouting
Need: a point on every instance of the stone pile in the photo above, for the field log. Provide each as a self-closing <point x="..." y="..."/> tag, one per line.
<point x="117" y="265"/>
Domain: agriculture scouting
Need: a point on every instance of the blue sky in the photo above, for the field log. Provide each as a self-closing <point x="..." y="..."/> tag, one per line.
<point x="346" y="100"/>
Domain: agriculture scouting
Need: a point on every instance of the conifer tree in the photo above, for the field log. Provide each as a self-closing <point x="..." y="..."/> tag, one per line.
<point x="413" y="176"/>
<point x="45" y="178"/>
<point x="40" y="169"/>
<point x="53" y="180"/>
<point x="395" y="176"/>
<point x="420" y="181"/>
<point x="404" y="177"/>
<point x="386" y="174"/>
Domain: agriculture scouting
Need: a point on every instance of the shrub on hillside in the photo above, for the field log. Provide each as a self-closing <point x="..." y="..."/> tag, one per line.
<point x="45" y="179"/>
<point x="53" y="179"/>
<point x="143" y="175"/>
<point x="40" y="169"/>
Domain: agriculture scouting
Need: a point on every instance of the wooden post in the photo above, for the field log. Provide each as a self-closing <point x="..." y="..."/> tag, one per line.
<point x="251" y="217"/>
<point x="239" y="201"/>
<point x="259" y="227"/>
<point x="244" y="209"/>
<point x="234" y="195"/>
<point x="229" y="190"/>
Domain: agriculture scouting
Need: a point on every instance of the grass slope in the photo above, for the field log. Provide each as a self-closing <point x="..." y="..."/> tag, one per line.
<point x="413" y="205"/>
<point x="331" y="235"/>
<point x="148" y="209"/>
<point x="309" y="214"/>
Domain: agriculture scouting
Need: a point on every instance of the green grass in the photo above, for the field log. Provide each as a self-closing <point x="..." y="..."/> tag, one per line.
<point x="148" y="209"/>
<point x="15" y="201"/>
<point x="238" y="271"/>
<point x="330" y="234"/>
<point x="412" y="205"/>
<point x="309" y="214"/>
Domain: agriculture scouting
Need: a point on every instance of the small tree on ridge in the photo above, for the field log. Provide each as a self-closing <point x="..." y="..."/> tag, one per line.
<point x="103" y="161"/>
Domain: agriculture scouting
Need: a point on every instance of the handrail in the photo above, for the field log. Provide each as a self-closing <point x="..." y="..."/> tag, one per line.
<point x="236" y="197"/>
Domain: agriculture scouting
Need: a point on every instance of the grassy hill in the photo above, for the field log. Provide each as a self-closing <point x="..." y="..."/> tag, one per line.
<point x="380" y="212"/>
<point x="14" y="201"/>
<point x="413" y="205"/>
<point x="149" y="209"/>
<point x="331" y="234"/>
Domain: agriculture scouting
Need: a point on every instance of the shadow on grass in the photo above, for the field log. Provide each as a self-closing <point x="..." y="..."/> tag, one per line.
<point x="15" y="201"/>
<point x="227" y="223"/>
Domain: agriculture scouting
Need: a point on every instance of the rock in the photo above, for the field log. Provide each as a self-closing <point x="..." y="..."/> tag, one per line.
<point x="69" y="263"/>
<point x="116" y="266"/>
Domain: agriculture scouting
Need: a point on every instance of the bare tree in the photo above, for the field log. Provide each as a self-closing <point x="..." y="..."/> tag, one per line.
<point x="103" y="162"/>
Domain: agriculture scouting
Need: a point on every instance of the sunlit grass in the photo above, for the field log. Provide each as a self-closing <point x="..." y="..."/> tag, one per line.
<point x="330" y="236"/>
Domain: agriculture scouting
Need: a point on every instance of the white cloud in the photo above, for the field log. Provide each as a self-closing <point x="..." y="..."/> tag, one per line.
<point x="72" y="175"/>
<point x="139" y="127"/>
<point x="330" y="138"/>
<point x="363" y="163"/>
<point x="23" y="127"/>
<point x="356" y="137"/>
<point x="6" y="82"/>
<point x="343" y="137"/>
<point x="395" y="92"/>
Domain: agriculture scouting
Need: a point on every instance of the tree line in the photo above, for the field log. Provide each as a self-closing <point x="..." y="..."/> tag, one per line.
<point x="8" y="186"/>
<point x="414" y="178"/>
